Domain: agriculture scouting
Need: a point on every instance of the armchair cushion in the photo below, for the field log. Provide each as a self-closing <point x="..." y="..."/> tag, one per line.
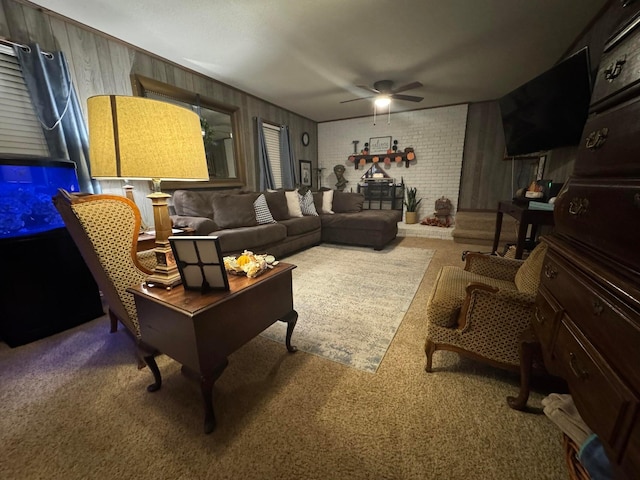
<point x="528" y="277"/>
<point x="492" y="266"/>
<point x="450" y="291"/>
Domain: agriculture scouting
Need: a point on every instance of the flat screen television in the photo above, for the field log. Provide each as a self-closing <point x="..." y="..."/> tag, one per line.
<point x="550" y="110"/>
<point x="27" y="185"/>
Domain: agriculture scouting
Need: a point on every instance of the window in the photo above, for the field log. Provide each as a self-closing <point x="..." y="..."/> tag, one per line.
<point x="20" y="129"/>
<point x="272" y="139"/>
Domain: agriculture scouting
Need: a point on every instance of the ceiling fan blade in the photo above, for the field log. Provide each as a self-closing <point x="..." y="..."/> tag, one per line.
<point x="368" y="88"/>
<point x="409" y="98"/>
<point x="408" y="86"/>
<point x="354" y="99"/>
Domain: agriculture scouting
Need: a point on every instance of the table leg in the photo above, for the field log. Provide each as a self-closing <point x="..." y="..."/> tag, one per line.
<point x="522" y="238"/>
<point x="153" y="366"/>
<point x="290" y="319"/>
<point x="206" y="386"/>
<point x="496" y="237"/>
<point x="529" y="346"/>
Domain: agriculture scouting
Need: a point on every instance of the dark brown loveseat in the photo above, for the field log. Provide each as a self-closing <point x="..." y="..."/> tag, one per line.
<point x="230" y="216"/>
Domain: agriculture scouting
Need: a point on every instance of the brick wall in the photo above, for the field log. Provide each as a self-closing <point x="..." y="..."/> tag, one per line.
<point x="436" y="134"/>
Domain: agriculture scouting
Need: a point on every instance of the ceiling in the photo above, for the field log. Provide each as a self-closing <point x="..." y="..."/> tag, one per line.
<point x="307" y="55"/>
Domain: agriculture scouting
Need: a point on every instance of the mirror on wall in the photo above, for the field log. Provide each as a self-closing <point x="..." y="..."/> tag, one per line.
<point x="219" y="132"/>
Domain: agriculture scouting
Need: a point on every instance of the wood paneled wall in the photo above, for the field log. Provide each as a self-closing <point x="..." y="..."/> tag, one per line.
<point x="102" y="65"/>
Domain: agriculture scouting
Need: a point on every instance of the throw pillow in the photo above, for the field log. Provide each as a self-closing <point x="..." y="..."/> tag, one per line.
<point x="277" y="203"/>
<point x="327" y="201"/>
<point x="234" y="211"/>
<point x="347" y="202"/>
<point x="306" y="204"/>
<point x="263" y="215"/>
<point x="293" y="204"/>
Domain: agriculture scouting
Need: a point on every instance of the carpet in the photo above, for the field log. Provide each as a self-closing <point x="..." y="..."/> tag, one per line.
<point x="351" y="300"/>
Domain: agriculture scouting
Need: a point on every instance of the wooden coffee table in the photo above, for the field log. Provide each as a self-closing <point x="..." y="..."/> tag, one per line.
<point x="201" y="330"/>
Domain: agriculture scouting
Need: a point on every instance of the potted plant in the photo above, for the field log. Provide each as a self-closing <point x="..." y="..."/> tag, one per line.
<point x="412" y="205"/>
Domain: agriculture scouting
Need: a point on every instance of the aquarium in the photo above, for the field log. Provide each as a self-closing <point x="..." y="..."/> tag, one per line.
<point x="27" y="185"/>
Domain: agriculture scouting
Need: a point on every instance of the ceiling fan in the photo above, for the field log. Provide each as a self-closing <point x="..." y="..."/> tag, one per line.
<point x="385" y="88"/>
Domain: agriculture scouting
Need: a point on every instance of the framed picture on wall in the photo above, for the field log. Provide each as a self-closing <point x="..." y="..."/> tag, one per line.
<point x="305" y="173"/>
<point x="379" y="144"/>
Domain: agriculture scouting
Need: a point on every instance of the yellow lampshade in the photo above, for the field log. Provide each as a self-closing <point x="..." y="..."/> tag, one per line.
<point x="140" y="138"/>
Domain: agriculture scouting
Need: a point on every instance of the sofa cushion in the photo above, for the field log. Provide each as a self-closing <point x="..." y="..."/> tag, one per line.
<point x="301" y="225"/>
<point x="191" y="203"/>
<point x="317" y="201"/>
<point x="277" y="202"/>
<point x="306" y="204"/>
<point x="364" y="220"/>
<point x="293" y="203"/>
<point x="347" y="202"/>
<point x="234" y="211"/>
<point x="263" y="215"/>
<point x="250" y="238"/>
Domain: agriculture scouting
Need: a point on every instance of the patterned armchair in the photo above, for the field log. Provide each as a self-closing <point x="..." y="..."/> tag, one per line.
<point x="481" y="311"/>
<point x="105" y="229"/>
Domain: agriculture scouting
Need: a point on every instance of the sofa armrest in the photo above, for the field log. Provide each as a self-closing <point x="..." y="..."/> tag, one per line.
<point x="200" y="225"/>
<point x="492" y="266"/>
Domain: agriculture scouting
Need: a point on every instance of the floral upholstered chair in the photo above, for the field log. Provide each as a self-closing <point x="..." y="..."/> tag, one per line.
<point x="481" y="311"/>
<point x="105" y="229"/>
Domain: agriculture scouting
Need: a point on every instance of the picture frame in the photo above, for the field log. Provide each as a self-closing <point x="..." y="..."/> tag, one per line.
<point x="306" y="178"/>
<point x="379" y="144"/>
<point x="200" y="262"/>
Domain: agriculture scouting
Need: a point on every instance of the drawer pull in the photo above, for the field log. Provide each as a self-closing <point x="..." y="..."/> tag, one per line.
<point x="598" y="308"/>
<point x="579" y="372"/>
<point x="613" y="70"/>
<point x="578" y="206"/>
<point x="596" y="139"/>
<point x="549" y="272"/>
<point x="539" y="316"/>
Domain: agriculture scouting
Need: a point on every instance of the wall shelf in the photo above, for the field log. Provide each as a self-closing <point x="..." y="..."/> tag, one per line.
<point x="407" y="156"/>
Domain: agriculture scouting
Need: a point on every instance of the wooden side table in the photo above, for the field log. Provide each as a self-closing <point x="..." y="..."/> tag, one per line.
<point x="201" y="330"/>
<point x="525" y="216"/>
<point x="147" y="240"/>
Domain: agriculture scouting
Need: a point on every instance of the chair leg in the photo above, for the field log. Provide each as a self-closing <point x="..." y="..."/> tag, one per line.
<point x="429" y="348"/>
<point x="114" y="322"/>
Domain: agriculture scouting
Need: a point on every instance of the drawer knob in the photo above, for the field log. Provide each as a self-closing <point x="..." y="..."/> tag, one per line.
<point x="596" y="139"/>
<point x="549" y="272"/>
<point x="578" y="371"/>
<point x="578" y="206"/>
<point x="598" y="308"/>
<point x="613" y="70"/>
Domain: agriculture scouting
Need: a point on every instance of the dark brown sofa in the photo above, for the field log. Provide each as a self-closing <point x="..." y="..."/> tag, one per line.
<point x="230" y="216"/>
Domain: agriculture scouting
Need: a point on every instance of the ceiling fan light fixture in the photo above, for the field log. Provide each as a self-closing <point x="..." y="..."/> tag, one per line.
<point x="382" y="100"/>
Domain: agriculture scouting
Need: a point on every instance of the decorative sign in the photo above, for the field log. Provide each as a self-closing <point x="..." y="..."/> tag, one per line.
<point x="379" y="144"/>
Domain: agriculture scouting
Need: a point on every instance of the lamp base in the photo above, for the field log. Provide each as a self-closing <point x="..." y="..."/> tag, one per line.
<point x="166" y="273"/>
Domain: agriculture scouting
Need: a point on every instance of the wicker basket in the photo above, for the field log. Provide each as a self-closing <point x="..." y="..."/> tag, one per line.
<point x="576" y="470"/>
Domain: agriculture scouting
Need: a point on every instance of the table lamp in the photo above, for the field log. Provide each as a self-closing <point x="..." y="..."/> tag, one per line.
<point x="144" y="139"/>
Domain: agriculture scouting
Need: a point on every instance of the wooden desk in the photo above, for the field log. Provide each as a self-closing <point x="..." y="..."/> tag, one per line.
<point x="201" y="330"/>
<point x="525" y="217"/>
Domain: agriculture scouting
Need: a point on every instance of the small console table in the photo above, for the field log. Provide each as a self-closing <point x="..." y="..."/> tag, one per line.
<point x="525" y="216"/>
<point x="200" y="330"/>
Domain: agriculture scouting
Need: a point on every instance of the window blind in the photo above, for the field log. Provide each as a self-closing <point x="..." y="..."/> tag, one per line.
<point x="20" y="130"/>
<point x="272" y="139"/>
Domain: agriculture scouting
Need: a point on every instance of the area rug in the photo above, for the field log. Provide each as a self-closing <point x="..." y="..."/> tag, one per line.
<point x="351" y="300"/>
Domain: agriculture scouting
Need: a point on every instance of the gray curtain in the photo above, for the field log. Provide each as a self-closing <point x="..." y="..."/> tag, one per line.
<point x="56" y="105"/>
<point x="287" y="159"/>
<point x="266" y="175"/>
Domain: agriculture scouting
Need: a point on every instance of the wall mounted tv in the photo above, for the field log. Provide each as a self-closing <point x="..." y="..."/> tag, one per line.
<point x="549" y="111"/>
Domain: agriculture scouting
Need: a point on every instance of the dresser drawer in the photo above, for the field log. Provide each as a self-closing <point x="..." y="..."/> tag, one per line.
<point x="611" y="411"/>
<point x="546" y="317"/>
<point x="619" y="72"/>
<point x="611" y="142"/>
<point x="604" y="215"/>
<point x="601" y="316"/>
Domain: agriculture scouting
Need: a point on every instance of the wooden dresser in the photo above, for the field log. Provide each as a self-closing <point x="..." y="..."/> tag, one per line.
<point x="588" y="307"/>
